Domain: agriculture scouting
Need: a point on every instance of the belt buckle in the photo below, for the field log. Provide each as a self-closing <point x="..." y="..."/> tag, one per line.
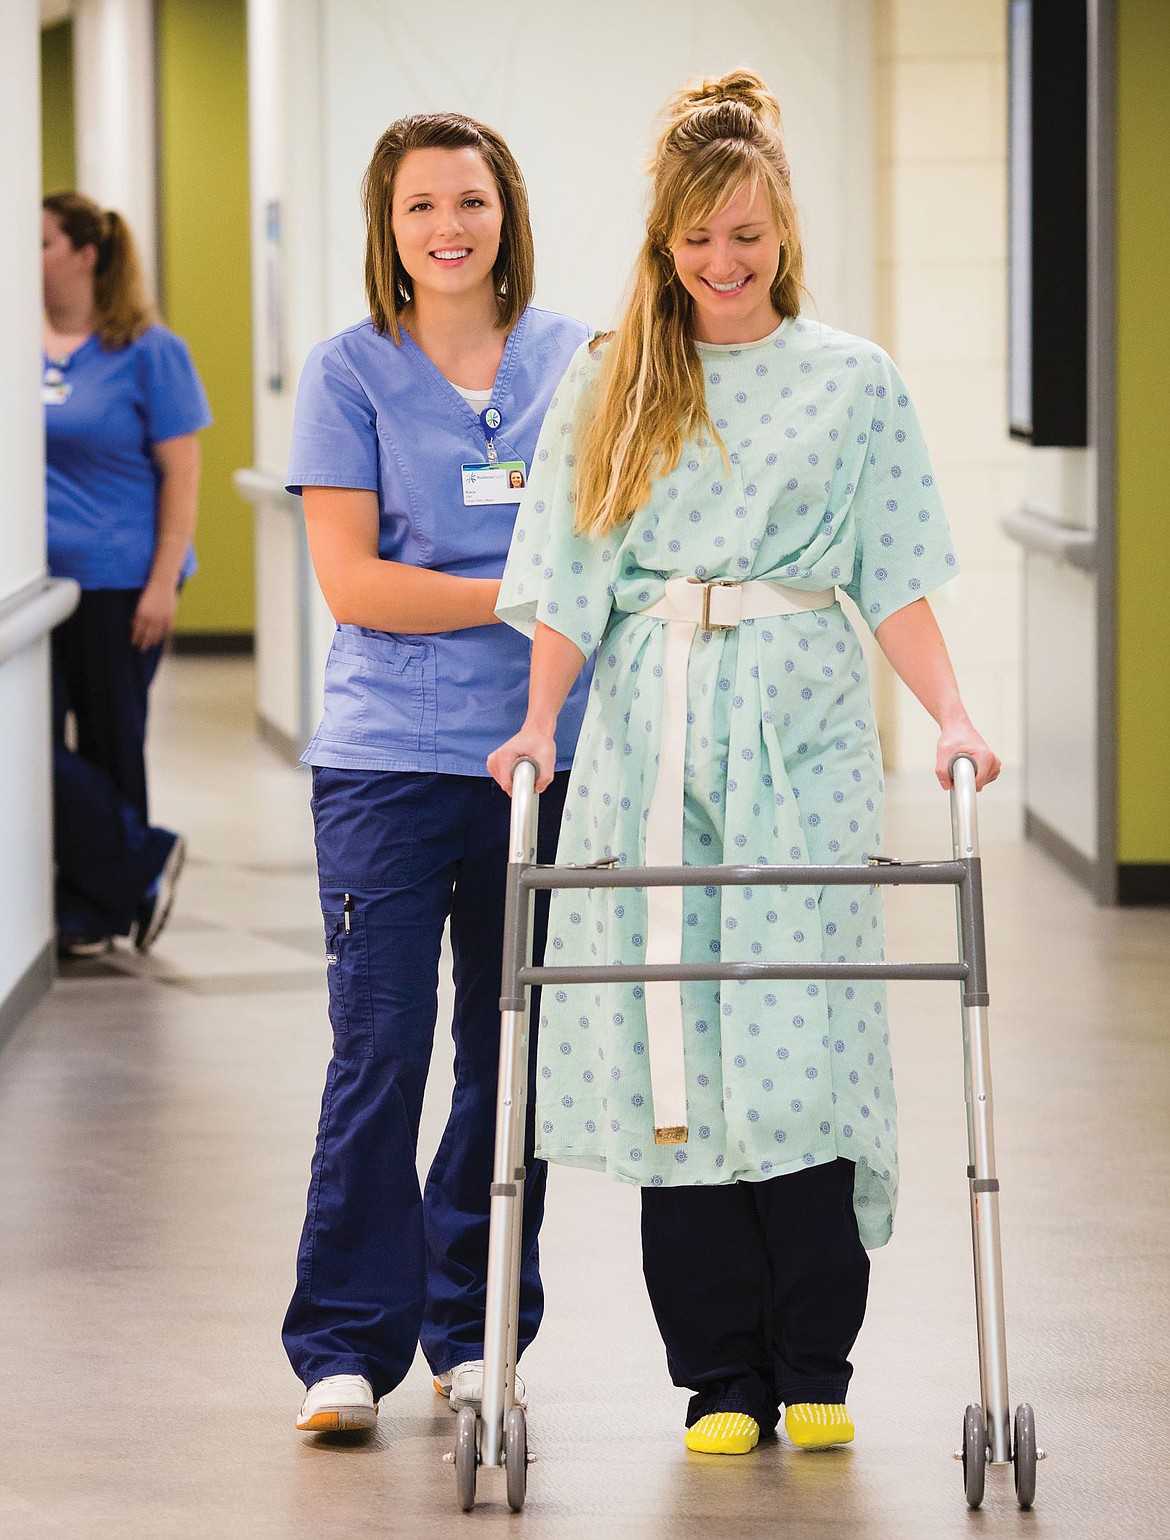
<point x="705" y="621"/>
<point x="676" y="1133"/>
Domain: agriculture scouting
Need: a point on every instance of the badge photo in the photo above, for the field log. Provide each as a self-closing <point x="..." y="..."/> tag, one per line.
<point x="503" y="482"/>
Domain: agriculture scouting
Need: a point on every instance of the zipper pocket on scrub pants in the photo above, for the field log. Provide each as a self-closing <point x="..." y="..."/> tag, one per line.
<point x="348" y="971"/>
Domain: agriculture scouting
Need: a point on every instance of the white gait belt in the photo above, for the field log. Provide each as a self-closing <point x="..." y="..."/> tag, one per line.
<point x="689" y="606"/>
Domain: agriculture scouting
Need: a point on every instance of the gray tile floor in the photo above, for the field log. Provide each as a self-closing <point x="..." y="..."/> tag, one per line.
<point x="156" y="1122"/>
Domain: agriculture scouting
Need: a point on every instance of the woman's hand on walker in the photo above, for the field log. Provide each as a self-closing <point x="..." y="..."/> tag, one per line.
<point x="959" y="737"/>
<point x="529" y="743"/>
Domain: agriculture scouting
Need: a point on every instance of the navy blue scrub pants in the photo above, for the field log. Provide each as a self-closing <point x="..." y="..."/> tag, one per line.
<point x="758" y="1288"/>
<point x="383" y="1266"/>
<point x="106" y="852"/>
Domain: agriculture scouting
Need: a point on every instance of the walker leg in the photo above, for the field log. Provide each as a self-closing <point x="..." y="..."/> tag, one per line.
<point x="501" y="1324"/>
<point x="984" y="1196"/>
<point x="982" y="1181"/>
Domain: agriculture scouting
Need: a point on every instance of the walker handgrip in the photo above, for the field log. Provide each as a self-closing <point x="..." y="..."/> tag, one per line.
<point x="522" y="835"/>
<point x="964" y="822"/>
<point x="958" y="759"/>
<point x="524" y="764"/>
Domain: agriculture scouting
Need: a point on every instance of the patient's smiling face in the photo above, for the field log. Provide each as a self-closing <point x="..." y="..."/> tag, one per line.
<point x="727" y="266"/>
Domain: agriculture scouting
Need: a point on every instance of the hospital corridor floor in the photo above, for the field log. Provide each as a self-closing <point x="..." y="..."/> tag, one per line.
<point x="156" y="1123"/>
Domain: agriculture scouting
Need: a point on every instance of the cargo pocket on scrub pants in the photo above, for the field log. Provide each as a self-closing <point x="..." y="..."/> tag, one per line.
<point x="351" y="1011"/>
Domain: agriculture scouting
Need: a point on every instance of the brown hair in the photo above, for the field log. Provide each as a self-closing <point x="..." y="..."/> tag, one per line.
<point x="388" y="284"/>
<point x="123" y="311"/>
<point x="717" y="136"/>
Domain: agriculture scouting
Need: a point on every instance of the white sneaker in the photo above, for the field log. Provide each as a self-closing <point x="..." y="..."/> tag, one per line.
<point x="340" y="1403"/>
<point x="155" y="908"/>
<point x="464" y="1384"/>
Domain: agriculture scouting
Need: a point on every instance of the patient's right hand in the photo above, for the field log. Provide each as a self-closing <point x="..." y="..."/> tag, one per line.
<point x="529" y="743"/>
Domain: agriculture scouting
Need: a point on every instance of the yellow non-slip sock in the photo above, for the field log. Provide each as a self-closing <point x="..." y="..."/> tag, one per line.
<point x="816" y="1425"/>
<point x="724" y="1433"/>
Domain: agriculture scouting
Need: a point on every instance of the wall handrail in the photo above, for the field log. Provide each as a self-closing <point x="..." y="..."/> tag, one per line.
<point x="259" y="487"/>
<point x="271" y="507"/>
<point x="32" y="611"/>
<point x="1038" y="532"/>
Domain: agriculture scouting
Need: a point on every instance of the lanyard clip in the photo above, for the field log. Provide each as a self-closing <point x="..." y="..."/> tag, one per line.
<point x="489" y="421"/>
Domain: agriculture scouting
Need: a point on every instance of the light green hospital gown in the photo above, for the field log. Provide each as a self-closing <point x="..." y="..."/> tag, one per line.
<point x="829" y="485"/>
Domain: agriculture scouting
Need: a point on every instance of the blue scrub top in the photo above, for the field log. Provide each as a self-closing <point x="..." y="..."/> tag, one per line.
<point x="378" y="417"/>
<point x="104" y="412"/>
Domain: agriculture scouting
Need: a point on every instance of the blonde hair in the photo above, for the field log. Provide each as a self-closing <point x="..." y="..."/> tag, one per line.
<point x="717" y="137"/>
<point x="122" y="308"/>
<point x="389" y="288"/>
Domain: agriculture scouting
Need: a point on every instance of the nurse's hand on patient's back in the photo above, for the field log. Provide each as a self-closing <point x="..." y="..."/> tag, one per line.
<point x="154" y="615"/>
<point x="529" y="743"/>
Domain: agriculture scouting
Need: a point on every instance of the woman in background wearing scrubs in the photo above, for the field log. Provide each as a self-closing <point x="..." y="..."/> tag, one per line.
<point x="123" y="405"/>
<point x="414" y="432"/>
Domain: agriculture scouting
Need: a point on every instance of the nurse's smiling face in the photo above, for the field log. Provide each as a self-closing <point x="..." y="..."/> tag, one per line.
<point x="727" y="266"/>
<point x="447" y="217"/>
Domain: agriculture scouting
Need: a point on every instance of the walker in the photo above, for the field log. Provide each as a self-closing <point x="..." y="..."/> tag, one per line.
<point x="499" y="1436"/>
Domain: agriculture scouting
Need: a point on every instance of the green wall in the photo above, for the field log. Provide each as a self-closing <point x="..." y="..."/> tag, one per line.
<point x="58" y="161"/>
<point x="205" y="278"/>
<point x="1143" y="442"/>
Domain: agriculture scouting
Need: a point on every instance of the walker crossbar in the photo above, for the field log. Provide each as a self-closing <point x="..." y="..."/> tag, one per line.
<point x="499" y="1437"/>
<point x="880" y="873"/>
<point x="666" y="973"/>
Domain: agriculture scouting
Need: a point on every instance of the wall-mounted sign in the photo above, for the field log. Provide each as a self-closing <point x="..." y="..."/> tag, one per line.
<point x="275" y="351"/>
<point x="1048" y="222"/>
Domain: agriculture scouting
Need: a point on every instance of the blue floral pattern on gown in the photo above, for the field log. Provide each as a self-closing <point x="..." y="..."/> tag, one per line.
<point x="829" y="484"/>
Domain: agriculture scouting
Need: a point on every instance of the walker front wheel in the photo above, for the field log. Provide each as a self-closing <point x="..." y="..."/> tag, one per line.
<point x="516" y="1457"/>
<point x="466" y="1456"/>
<point x="1025" y="1455"/>
<point x="974" y="1455"/>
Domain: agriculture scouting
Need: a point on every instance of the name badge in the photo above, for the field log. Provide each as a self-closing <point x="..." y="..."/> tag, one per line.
<point x="500" y="483"/>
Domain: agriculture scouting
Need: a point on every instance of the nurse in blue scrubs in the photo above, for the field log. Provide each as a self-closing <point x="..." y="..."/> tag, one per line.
<point x="123" y="405"/>
<point x="414" y="433"/>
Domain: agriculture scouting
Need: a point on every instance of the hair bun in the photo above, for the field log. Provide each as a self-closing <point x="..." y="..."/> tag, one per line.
<point x="703" y="97"/>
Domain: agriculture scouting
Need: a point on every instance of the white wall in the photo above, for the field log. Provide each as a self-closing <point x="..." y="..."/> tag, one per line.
<point x="113" y="75"/>
<point x="286" y="129"/>
<point x="26" y="922"/>
<point x="574" y="88"/>
<point x="940" y="89"/>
